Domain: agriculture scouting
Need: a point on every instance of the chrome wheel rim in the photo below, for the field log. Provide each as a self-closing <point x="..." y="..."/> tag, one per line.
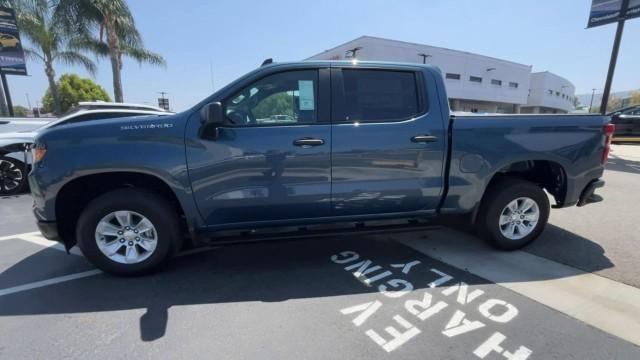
<point x="519" y="218"/>
<point x="126" y="237"/>
<point x="10" y="176"/>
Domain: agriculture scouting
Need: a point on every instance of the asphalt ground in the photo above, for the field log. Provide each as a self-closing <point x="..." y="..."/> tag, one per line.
<point x="375" y="297"/>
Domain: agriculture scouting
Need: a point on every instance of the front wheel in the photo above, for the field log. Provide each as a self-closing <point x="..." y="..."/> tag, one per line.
<point x="128" y="231"/>
<point x="513" y="213"/>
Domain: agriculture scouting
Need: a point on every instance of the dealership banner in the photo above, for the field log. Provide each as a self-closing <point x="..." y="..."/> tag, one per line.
<point x="609" y="11"/>
<point x="11" y="53"/>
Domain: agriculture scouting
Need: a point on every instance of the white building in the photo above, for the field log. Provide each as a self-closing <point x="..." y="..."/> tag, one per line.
<point x="550" y="94"/>
<point x="475" y="83"/>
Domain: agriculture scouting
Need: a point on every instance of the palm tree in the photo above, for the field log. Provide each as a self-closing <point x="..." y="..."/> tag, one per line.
<point x="107" y="28"/>
<point x="40" y="24"/>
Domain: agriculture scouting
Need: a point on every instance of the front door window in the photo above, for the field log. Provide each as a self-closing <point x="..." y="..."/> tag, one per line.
<point x="287" y="98"/>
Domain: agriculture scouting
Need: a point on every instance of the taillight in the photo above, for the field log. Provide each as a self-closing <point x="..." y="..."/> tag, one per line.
<point x="608" y="133"/>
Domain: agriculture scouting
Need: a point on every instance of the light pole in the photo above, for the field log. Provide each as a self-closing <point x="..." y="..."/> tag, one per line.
<point x="593" y="93"/>
<point x="424" y="57"/>
<point x="28" y="101"/>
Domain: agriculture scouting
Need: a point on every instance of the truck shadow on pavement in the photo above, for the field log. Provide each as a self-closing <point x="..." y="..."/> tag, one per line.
<point x="624" y="165"/>
<point x="263" y="273"/>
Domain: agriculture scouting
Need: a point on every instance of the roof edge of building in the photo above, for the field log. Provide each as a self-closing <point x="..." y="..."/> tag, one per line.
<point x="418" y="44"/>
<point x="552" y="74"/>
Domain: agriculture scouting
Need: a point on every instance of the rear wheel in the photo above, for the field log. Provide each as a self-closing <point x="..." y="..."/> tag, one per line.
<point x="12" y="176"/>
<point x="513" y="213"/>
<point x="128" y="231"/>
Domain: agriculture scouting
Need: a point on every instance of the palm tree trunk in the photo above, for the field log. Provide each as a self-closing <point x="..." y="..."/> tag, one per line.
<point x="114" y="54"/>
<point x="117" y="80"/>
<point x="51" y="76"/>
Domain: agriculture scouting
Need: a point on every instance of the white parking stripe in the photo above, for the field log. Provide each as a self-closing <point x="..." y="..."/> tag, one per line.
<point x="43" y="283"/>
<point x="16" y="236"/>
<point x="35" y="238"/>
<point x="608" y="305"/>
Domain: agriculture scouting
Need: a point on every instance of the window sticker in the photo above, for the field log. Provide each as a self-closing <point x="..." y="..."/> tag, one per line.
<point x="305" y="90"/>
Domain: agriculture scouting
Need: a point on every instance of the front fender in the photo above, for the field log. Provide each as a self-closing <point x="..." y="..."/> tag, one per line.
<point x="140" y="145"/>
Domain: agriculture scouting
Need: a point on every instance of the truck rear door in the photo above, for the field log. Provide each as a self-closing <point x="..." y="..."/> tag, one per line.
<point x="388" y="141"/>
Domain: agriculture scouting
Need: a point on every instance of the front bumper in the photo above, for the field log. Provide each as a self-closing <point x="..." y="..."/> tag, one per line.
<point x="49" y="230"/>
<point x="588" y="195"/>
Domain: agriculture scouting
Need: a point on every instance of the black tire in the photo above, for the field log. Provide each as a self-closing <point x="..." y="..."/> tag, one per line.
<point x="146" y="203"/>
<point x="9" y="169"/>
<point x="496" y="198"/>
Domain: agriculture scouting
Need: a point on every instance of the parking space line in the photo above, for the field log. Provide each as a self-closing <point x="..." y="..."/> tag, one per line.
<point x="52" y="281"/>
<point x="608" y="305"/>
<point x="17" y="236"/>
<point x="37" y="239"/>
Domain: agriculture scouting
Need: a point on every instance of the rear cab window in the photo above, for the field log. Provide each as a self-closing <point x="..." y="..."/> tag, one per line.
<point x="372" y="95"/>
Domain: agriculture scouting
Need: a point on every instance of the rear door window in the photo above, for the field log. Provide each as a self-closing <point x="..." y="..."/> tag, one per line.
<point x="379" y="95"/>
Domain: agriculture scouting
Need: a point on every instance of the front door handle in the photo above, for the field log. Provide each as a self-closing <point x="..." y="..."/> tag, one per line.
<point x="424" y="139"/>
<point x="307" y="142"/>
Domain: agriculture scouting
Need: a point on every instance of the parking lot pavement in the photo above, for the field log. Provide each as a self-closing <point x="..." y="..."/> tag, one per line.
<point x="602" y="238"/>
<point x="15" y="215"/>
<point x="345" y="297"/>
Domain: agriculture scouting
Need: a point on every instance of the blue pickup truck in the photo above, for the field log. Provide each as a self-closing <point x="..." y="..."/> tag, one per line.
<point x="303" y="148"/>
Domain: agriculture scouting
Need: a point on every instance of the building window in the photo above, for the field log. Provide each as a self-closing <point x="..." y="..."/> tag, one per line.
<point x="513" y="85"/>
<point x="550" y="92"/>
<point x="557" y="93"/>
<point x="475" y="79"/>
<point x="453" y="76"/>
<point x="496" y="82"/>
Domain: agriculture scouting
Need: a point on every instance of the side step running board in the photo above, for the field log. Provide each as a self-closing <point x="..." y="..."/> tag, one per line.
<point x="315" y="231"/>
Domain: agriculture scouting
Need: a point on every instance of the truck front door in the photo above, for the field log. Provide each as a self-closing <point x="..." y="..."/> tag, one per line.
<point x="271" y="159"/>
<point x="388" y="141"/>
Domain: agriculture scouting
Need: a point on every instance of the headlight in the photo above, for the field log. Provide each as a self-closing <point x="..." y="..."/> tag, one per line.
<point x="38" y="152"/>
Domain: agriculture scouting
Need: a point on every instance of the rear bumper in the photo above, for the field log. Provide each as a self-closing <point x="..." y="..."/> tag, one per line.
<point x="588" y="195"/>
<point x="49" y="230"/>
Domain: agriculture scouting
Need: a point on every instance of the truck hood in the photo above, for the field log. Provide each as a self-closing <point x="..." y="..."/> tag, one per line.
<point x="116" y="129"/>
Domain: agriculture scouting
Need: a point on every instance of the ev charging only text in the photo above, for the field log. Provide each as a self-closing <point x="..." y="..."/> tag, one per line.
<point x="454" y="299"/>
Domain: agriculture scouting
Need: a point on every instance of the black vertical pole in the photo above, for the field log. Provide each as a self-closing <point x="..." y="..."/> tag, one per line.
<point x="614" y="57"/>
<point x="7" y="94"/>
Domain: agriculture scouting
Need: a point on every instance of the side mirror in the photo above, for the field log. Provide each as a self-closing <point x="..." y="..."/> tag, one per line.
<point x="211" y="116"/>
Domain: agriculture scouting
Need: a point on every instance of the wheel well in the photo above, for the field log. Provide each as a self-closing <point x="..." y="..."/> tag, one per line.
<point x="75" y="195"/>
<point x="549" y="175"/>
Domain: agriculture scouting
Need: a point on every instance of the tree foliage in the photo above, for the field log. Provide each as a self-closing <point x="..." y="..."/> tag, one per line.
<point x="635" y="97"/>
<point x="106" y="28"/>
<point x="615" y="103"/>
<point x="73" y="89"/>
<point x="20" y="111"/>
<point x="276" y="104"/>
<point x="39" y="22"/>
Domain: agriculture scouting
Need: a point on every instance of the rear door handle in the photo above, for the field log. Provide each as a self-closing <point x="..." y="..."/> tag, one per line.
<point x="424" y="139"/>
<point x="308" y="142"/>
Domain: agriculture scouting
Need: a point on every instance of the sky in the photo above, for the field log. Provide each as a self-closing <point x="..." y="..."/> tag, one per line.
<point x="208" y="44"/>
